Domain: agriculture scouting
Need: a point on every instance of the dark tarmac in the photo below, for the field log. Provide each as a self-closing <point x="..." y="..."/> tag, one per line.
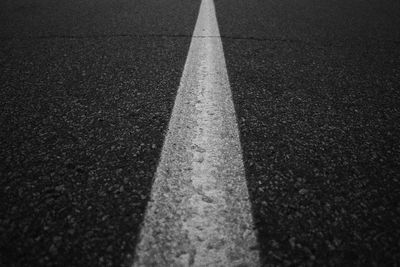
<point x="86" y="95"/>
<point x="316" y="89"/>
<point x="87" y="89"/>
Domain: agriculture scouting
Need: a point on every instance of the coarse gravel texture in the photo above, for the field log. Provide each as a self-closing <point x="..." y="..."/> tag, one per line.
<point x="87" y="88"/>
<point x="316" y="91"/>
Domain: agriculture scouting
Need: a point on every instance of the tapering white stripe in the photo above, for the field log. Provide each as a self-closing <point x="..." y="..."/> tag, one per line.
<point x="199" y="213"/>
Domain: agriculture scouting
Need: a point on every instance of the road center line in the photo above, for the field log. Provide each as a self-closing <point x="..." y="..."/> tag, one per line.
<point x="199" y="213"/>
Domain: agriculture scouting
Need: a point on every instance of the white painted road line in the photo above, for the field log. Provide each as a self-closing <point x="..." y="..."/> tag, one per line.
<point x="199" y="213"/>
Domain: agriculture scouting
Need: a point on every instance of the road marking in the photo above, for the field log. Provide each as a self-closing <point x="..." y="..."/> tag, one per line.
<point x="199" y="213"/>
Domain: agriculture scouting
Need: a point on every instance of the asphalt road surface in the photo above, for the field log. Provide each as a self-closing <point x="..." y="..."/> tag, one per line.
<point x="86" y="94"/>
<point x="316" y="88"/>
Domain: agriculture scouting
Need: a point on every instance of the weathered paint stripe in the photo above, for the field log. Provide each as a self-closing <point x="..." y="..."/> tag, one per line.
<point x="199" y="213"/>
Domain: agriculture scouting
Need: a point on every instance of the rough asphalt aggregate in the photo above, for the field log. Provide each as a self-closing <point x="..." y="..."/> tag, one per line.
<point x="316" y="89"/>
<point x="86" y="92"/>
<point x="86" y="96"/>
